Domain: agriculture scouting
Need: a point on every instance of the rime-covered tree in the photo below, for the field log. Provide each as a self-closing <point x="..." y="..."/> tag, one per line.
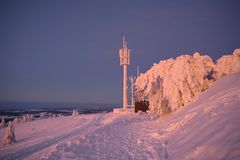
<point x="16" y="120"/>
<point x="173" y="83"/>
<point x="9" y="136"/>
<point x="75" y="112"/>
<point x="2" y="124"/>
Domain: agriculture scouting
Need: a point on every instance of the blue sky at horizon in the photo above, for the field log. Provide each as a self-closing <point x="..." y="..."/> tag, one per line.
<point x="67" y="51"/>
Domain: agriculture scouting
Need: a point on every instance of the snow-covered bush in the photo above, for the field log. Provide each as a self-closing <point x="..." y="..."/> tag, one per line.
<point x="173" y="83"/>
<point x="9" y="136"/>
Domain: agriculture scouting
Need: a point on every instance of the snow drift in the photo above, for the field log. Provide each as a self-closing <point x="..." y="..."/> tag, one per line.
<point x="173" y="83"/>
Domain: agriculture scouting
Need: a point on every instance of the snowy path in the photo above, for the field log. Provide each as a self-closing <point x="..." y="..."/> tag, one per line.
<point x="122" y="138"/>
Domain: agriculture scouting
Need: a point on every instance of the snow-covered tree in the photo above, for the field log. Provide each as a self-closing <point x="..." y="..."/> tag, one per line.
<point x="9" y="136"/>
<point x="16" y="120"/>
<point x="228" y="64"/>
<point x="43" y="115"/>
<point x="59" y="115"/>
<point x="2" y="124"/>
<point x="173" y="83"/>
<point x="27" y="118"/>
<point x="75" y="112"/>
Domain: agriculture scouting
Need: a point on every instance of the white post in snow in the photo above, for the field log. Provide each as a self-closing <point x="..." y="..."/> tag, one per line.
<point x="124" y="54"/>
<point x="132" y="82"/>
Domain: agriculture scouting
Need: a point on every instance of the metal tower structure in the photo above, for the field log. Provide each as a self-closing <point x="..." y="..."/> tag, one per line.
<point x="124" y="54"/>
<point x="132" y="79"/>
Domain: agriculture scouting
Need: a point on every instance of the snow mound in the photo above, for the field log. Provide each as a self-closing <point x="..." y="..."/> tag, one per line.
<point x="173" y="83"/>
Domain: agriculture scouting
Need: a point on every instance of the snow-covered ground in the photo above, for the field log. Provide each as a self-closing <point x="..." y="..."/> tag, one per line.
<point x="207" y="128"/>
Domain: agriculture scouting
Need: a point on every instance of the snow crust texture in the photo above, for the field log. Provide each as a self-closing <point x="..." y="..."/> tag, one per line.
<point x="173" y="83"/>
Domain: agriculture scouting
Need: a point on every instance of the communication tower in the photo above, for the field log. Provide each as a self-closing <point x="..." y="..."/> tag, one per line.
<point x="124" y="54"/>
